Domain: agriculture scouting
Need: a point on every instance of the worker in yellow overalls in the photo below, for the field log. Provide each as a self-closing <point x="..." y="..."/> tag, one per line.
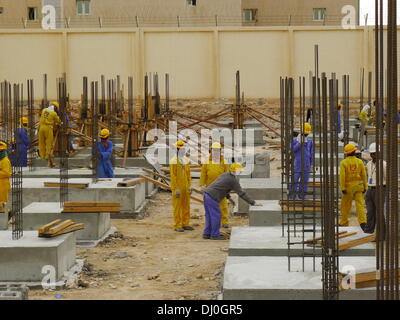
<point x="210" y="171"/>
<point x="353" y="184"/>
<point x="5" y="174"/>
<point x="181" y="181"/>
<point x="48" y="120"/>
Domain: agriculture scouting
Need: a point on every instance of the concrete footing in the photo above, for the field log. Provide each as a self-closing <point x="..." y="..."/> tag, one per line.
<point x="25" y="259"/>
<point x="268" y="278"/>
<point x="38" y="214"/>
<point x="268" y="241"/>
<point x="131" y="198"/>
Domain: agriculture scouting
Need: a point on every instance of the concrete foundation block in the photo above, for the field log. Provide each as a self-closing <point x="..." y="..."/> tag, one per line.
<point x="131" y="198"/>
<point x="22" y="260"/>
<point x="259" y="189"/>
<point x="38" y="214"/>
<point x="272" y="241"/>
<point x="270" y="214"/>
<point x="268" y="278"/>
<point x="3" y="221"/>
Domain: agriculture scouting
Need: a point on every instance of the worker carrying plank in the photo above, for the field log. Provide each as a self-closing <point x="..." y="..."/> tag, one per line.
<point x="105" y="150"/>
<point x="213" y="168"/>
<point x="214" y="194"/>
<point x="18" y="153"/>
<point x="303" y="160"/>
<point x="5" y="173"/>
<point x="353" y="184"/>
<point x="48" y="120"/>
<point x="370" y="197"/>
<point x="181" y="182"/>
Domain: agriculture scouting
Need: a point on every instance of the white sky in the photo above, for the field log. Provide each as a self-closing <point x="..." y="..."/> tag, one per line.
<point x="368" y="7"/>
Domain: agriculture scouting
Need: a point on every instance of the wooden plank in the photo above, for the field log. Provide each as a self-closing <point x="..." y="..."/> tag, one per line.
<point x="70" y="185"/>
<point x="91" y="209"/>
<point x="156" y="174"/>
<point x="59" y="227"/>
<point x="357" y="242"/>
<point x="320" y="238"/>
<point x="364" y="280"/>
<point x="74" y="227"/>
<point x="49" y="225"/>
<point x="92" y="204"/>
<point x="130" y="183"/>
<point x="301" y="209"/>
<point x="318" y="243"/>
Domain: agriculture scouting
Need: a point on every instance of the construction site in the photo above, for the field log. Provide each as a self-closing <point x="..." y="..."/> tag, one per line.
<point x="200" y="163"/>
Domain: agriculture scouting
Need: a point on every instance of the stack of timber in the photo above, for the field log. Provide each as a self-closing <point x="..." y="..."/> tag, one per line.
<point x="130" y="183"/>
<point x="362" y="280"/>
<point x="70" y="185"/>
<point x="91" y="207"/>
<point x="59" y="227"/>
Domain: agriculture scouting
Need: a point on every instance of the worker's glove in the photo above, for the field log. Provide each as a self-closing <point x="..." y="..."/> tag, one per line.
<point x="177" y="194"/>
<point x="233" y="203"/>
<point x="344" y="191"/>
<point x="258" y="204"/>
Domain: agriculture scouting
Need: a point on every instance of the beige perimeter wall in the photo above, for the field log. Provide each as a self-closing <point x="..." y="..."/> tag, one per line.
<point x="201" y="62"/>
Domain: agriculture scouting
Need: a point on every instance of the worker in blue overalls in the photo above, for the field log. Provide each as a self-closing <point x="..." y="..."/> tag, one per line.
<point x="303" y="160"/>
<point x="18" y="153"/>
<point x="105" y="150"/>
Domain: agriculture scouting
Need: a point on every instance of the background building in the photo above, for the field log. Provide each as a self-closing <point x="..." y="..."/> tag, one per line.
<point x="143" y="13"/>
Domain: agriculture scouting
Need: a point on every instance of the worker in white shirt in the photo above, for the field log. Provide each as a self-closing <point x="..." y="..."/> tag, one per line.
<point x="370" y="197"/>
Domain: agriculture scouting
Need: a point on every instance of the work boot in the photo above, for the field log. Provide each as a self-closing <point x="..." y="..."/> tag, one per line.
<point x="188" y="228"/>
<point x="206" y="236"/>
<point x="50" y="163"/>
<point x="220" y="237"/>
<point x="362" y="226"/>
<point x="226" y="226"/>
<point x="180" y="230"/>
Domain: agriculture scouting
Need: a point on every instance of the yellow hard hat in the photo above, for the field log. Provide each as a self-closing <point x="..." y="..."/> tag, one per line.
<point x="340" y="105"/>
<point x="307" y="128"/>
<point x="180" y="144"/>
<point x="216" y="145"/>
<point x="105" y="133"/>
<point x="3" y="146"/>
<point x="349" y="149"/>
<point x="24" y="120"/>
<point x="55" y="103"/>
<point x="235" y="167"/>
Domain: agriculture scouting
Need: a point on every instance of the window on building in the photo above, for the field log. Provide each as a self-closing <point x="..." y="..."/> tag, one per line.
<point x="191" y="3"/>
<point x="83" y="7"/>
<point x="32" y="13"/>
<point x="1" y="10"/>
<point x="319" y="14"/>
<point x="249" y="15"/>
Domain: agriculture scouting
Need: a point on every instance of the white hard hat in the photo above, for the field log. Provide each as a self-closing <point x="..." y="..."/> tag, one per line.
<point x="51" y="108"/>
<point x="372" y="148"/>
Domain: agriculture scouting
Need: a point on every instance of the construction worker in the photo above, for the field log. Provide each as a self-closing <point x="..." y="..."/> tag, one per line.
<point x="48" y="120"/>
<point x="370" y="197"/>
<point x="353" y="184"/>
<point x="364" y="117"/>
<point x="303" y="153"/>
<point x="181" y="182"/>
<point x="5" y="173"/>
<point x="105" y="150"/>
<point x="21" y="145"/>
<point x="210" y="171"/>
<point x="215" y="193"/>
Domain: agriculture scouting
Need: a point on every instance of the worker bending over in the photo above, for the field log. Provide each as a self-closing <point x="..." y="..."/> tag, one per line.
<point x="303" y="160"/>
<point x="370" y="197"/>
<point x="210" y="171"/>
<point x="48" y="120"/>
<point x="353" y="184"/>
<point x="104" y="153"/>
<point x="5" y="174"/>
<point x="214" y="194"/>
<point x="181" y="182"/>
<point x="19" y="150"/>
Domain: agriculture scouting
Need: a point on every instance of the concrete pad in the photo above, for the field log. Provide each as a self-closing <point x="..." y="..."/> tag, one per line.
<point x="260" y="189"/>
<point x="268" y="278"/>
<point x="131" y="198"/>
<point x="38" y="214"/>
<point x="268" y="241"/>
<point x="123" y="173"/>
<point x="23" y="259"/>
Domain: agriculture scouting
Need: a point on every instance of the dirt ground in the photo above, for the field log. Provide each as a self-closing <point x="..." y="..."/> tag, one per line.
<point x="146" y="259"/>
